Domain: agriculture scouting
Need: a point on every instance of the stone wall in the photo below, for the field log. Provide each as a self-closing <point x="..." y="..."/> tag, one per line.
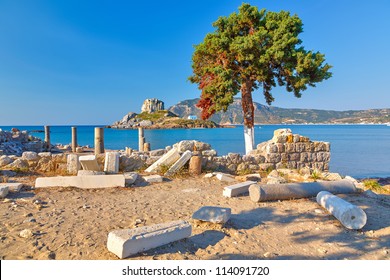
<point x="293" y="151"/>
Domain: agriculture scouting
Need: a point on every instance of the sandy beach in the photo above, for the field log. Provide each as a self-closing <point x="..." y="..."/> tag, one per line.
<point x="73" y="224"/>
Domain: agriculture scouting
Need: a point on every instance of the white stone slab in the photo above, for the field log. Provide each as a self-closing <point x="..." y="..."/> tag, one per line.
<point x="169" y="158"/>
<point x="13" y="187"/>
<point x="179" y="163"/>
<point x="111" y="162"/>
<point x="225" y="177"/>
<point x="84" y="182"/>
<point x="3" y="191"/>
<point x="237" y="189"/>
<point x="127" y="242"/>
<point x="212" y="214"/>
<point x="153" y="178"/>
<point x="89" y="163"/>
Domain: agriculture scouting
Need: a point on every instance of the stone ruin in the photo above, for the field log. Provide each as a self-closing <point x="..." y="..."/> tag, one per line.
<point x="152" y="105"/>
<point x="15" y="142"/>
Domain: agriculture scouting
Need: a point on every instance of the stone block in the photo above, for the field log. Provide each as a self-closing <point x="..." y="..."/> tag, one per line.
<point x="216" y="215"/>
<point x="72" y="164"/>
<point x="30" y="156"/>
<point x="300" y="147"/>
<point x="273" y="157"/>
<point x="3" y="191"/>
<point x="237" y="189"/>
<point x="294" y="157"/>
<point x="167" y="159"/>
<point x="153" y="178"/>
<point x="83" y="182"/>
<point x="111" y="162"/>
<point x="127" y="242"/>
<point x="13" y="187"/>
<point x="179" y="163"/>
<point x="89" y="163"/>
<point x="290" y="147"/>
<point x="225" y="177"/>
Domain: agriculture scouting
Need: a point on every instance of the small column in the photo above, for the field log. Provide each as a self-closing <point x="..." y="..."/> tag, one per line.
<point x="47" y="137"/>
<point x="74" y="139"/>
<point x="146" y="147"/>
<point x="141" y="139"/>
<point x="129" y="151"/>
<point x="99" y="140"/>
<point x="195" y="167"/>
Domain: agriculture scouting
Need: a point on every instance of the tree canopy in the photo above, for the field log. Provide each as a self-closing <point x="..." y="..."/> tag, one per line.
<point x="249" y="50"/>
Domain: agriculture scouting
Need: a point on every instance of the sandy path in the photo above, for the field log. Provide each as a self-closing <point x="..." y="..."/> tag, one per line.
<point x="70" y="223"/>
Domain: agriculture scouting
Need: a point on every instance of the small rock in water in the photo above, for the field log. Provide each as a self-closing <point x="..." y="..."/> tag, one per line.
<point x="26" y="233"/>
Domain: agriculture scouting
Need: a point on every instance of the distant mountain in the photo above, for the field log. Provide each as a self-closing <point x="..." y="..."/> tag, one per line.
<point x="273" y="115"/>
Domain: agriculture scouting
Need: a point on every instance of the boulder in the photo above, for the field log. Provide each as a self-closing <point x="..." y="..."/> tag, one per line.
<point x="217" y="215"/>
<point x="5" y="160"/>
<point x="30" y="156"/>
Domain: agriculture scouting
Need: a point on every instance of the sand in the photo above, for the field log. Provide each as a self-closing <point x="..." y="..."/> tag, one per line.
<point x="71" y="223"/>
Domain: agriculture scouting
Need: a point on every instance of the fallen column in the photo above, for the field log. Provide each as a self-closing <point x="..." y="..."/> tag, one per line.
<point x="111" y="162"/>
<point x="349" y="215"/>
<point x="179" y="163"/>
<point x="83" y="182"/>
<point x="298" y="190"/>
<point x="167" y="159"/>
<point x="127" y="242"/>
<point x="237" y="189"/>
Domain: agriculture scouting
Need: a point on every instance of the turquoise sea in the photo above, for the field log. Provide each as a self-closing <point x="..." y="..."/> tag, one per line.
<point x="356" y="150"/>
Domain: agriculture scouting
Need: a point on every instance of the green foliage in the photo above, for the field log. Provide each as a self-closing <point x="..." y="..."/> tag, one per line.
<point x="315" y="175"/>
<point x="374" y="186"/>
<point x="253" y="49"/>
<point x="155" y="116"/>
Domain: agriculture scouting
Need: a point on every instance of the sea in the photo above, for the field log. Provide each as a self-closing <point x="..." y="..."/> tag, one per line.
<point x="360" y="151"/>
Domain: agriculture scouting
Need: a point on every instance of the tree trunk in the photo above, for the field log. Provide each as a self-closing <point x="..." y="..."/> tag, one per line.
<point x="248" y="109"/>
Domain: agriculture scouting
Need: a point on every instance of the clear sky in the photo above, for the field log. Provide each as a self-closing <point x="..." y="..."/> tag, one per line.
<point x="91" y="62"/>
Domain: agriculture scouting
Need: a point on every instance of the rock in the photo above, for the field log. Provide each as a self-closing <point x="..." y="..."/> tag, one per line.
<point x="44" y="154"/>
<point x="5" y="160"/>
<point x="225" y="177"/>
<point x="209" y="153"/>
<point x="145" y="123"/>
<point x="249" y="177"/>
<point x="26" y="233"/>
<point x="278" y="180"/>
<point x="79" y="149"/>
<point x="8" y="173"/>
<point x="152" y="105"/>
<point x="130" y="177"/>
<point x="30" y="156"/>
<point x="191" y="145"/>
<point x="212" y="214"/>
<point x="153" y="178"/>
<point x="18" y="164"/>
<point x="331" y="176"/>
<point x="3" y="191"/>
<point x="158" y="152"/>
<point x="209" y="175"/>
<point x="12" y="187"/>
<point x="45" y="164"/>
<point x="131" y="163"/>
<point x="370" y="194"/>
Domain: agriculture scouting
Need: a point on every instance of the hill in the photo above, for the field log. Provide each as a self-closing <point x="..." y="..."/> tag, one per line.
<point x="273" y="115"/>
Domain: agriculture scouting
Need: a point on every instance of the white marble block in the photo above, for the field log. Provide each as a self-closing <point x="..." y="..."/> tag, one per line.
<point x="127" y="242"/>
<point x="237" y="189"/>
<point x="111" y="162"/>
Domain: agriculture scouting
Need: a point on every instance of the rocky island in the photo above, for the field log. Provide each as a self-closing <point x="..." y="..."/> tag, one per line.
<point x="154" y="116"/>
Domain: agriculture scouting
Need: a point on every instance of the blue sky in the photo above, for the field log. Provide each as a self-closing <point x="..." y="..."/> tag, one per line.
<point x="91" y="62"/>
